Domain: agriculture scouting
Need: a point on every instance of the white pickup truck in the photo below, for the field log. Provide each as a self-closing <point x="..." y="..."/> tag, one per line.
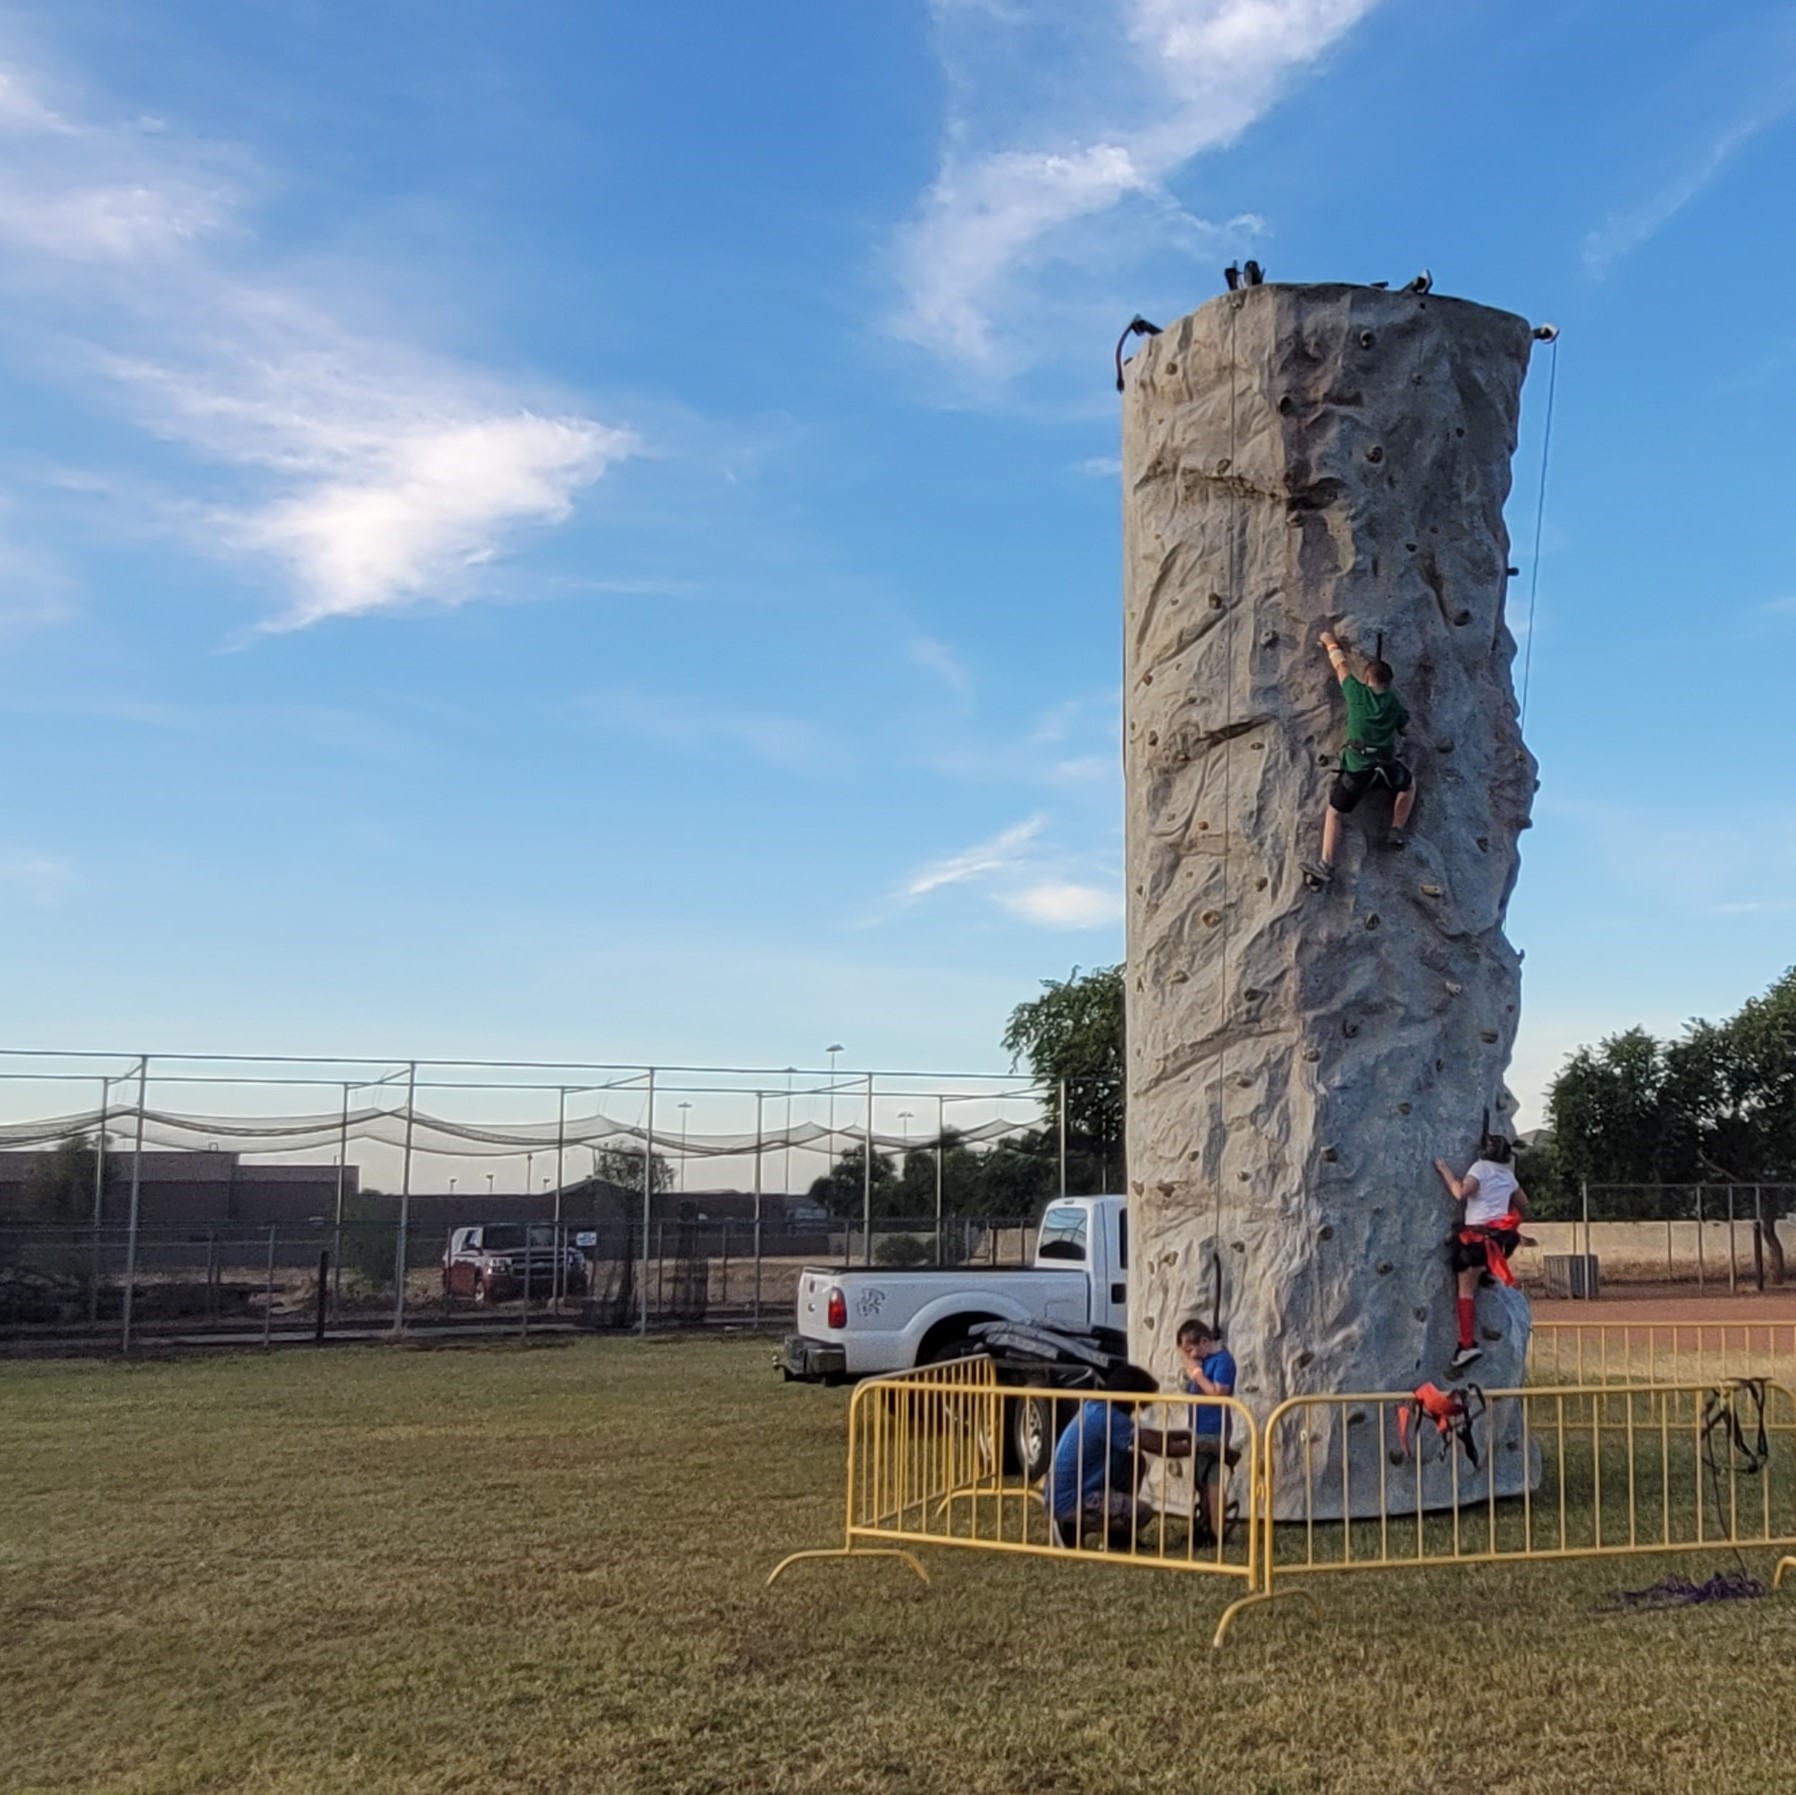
<point x="858" y="1323"/>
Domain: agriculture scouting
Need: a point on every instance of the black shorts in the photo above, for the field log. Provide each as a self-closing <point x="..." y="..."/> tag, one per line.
<point x="1349" y="788"/>
<point x="1469" y="1255"/>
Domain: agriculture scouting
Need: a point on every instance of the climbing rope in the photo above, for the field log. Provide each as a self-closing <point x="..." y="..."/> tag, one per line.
<point x="1540" y="512"/>
<point x="1220" y="1062"/>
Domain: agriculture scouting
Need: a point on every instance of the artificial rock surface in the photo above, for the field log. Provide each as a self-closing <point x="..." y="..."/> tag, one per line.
<point x="1295" y="458"/>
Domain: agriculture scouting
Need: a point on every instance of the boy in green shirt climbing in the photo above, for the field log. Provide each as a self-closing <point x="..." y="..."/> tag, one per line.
<point x="1375" y="718"/>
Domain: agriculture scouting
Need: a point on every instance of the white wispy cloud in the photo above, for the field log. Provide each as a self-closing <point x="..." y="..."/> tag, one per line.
<point x="1062" y="904"/>
<point x="1002" y="853"/>
<point x="1061" y="114"/>
<point x="942" y="661"/>
<point x="368" y="472"/>
<point x="1622" y="233"/>
<point x="41" y="879"/>
<point x="697" y="726"/>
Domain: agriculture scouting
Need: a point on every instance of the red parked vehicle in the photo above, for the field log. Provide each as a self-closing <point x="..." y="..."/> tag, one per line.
<point x="495" y="1262"/>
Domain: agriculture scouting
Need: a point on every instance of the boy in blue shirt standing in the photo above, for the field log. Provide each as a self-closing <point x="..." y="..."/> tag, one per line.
<point x="1209" y="1371"/>
<point x="1097" y="1465"/>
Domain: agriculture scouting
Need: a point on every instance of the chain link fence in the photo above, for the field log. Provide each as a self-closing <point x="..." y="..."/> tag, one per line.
<point x="179" y="1199"/>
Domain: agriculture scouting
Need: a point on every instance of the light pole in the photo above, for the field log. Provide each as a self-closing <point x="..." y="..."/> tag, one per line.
<point x="529" y="1171"/>
<point x="684" y="1106"/>
<point x="452" y="1187"/>
<point x="832" y="1052"/>
<point x="489" y="1184"/>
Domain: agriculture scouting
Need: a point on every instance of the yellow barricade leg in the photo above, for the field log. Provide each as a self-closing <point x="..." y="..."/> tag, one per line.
<point x="1777" y="1576"/>
<point x="1253" y="1601"/>
<point x="792" y="1558"/>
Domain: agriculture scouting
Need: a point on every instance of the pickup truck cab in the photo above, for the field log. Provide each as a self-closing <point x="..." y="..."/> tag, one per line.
<point x="855" y="1322"/>
<point x="492" y="1262"/>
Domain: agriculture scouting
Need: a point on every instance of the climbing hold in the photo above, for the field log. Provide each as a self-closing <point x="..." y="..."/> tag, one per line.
<point x="1211" y="918"/>
<point x="1325" y="1233"/>
<point x="1483" y="844"/>
<point x="1223" y="466"/>
<point x="1270" y="639"/>
<point x="1180" y="977"/>
<point x="1350" y="1029"/>
<point x="1202" y="825"/>
<point x="1260" y="883"/>
<point x="1332" y="1155"/>
<point x="1310" y="1054"/>
<point x="1366" y="339"/>
<point x="1385" y="1268"/>
<point x="1216" y="601"/>
<point x="1488" y="1036"/>
<point x="1444" y="745"/>
<point x="1403" y="1109"/>
<point x="1147" y="679"/>
<point x="1454" y="988"/>
<point x="1546" y="333"/>
<point x="1462" y="617"/>
<point x="1372" y="920"/>
<point x="1375" y="453"/>
<point x="1284" y="405"/>
<point x="1410" y="546"/>
<point x="1423" y="283"/>
<point x="1302" y="1359"/>
<point x="1250" y="995"/>
<point x="1432" y="891"/>
<point x="1153" y="738"/>
<point x="1419" y="1314"/>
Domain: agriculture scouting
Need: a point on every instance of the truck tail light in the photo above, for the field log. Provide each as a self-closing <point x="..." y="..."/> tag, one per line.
<point x="838" y="1309"/>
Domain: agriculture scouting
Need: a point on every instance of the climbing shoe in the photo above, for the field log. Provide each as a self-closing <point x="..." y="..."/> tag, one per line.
<point x="1317" y="874"/>
<point x="1466" y="1355"/>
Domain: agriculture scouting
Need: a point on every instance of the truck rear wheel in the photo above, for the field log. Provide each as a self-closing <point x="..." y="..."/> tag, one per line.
<point x="1030" y="1447"/>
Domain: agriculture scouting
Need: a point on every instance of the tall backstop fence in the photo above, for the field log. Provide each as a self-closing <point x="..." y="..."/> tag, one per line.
<point x="191" y="1195"/>
<point x="1328" y="1484"/>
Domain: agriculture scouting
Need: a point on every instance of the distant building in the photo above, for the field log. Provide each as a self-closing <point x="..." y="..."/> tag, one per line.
<point x="195" y="1190"/>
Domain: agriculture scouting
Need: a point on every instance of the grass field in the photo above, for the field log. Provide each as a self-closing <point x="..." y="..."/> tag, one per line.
<point x="498" y="1569"/>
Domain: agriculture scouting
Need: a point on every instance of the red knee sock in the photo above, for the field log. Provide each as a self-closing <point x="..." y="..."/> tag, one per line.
<point x="1467" y="1309"/>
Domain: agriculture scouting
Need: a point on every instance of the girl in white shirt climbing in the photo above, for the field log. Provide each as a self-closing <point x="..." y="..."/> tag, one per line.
<point x="1489" y="1231"/>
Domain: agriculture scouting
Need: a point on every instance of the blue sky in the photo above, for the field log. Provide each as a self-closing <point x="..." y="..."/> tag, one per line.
<point x="592" y="532"/>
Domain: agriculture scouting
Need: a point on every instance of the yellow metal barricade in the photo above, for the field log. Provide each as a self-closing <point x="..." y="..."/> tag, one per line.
<point x="1352" y="1483"/>
<point x="1661" y="1352"/>
<point x="925" y="1467"/>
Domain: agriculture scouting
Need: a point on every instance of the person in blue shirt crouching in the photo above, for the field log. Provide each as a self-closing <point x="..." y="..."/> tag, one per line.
<point x="1098" y="1460"/>
<point x="1209" y="1371"/>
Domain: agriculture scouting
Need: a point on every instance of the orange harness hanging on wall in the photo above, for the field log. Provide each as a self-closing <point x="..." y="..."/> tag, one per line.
<point x="1496" y="1258"/>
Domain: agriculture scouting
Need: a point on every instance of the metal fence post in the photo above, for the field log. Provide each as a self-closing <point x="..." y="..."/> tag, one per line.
<point x="1584" y="1190"/>
<point x="143" y="1082"/>
<point x="337" y="1227"/>
<point x="324" y="1272"/>
<point x="648" y="1170"/>
<point x="1733" y="1275"/>
<point x="1701" y="1225"/>
<point x="268" y="1295"/>
<point x="941" y="1148"/>
<point x="93" y="1279"/>
<point x="1758" y="1236"/>
<point x="1062" y="1107"/>
<point x="405" y="1200"/>
<point x="560" y="1277"/>
<point x="759" y="1101"/>
<point x="867" y="1183"/>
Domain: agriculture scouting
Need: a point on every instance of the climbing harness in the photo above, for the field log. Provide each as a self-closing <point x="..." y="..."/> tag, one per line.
<point x="1488" y="1235"/>
<point x="1137" y="326"/>
<point x="1452" y="1413"/>
<point x="1724" y="1429"/>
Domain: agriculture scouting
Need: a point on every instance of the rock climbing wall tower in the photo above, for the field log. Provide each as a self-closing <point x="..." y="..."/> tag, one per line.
<point x="1295" y="458"/>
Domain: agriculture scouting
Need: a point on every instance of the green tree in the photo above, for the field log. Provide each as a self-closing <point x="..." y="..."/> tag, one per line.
<point x="842" y="1189"/>
<point x="963" y="1188"/>
<point x="622" y="1166"/>
<point x="1718" y="1103"/>
<point x="1071" y="1038"/>
<point x="60" y="1186"/>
